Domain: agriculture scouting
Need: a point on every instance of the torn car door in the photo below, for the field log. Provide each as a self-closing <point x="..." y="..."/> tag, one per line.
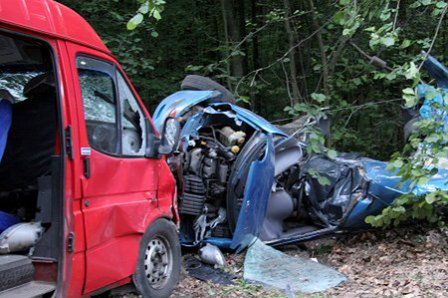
<point x="256" y="198"/>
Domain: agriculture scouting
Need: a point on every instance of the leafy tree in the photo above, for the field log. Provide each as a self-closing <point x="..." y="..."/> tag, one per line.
<point x="356" y="61"/>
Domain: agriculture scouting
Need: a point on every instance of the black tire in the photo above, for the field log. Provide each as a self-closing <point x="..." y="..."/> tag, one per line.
<point x="195" y="82"/>
<point x="162" y="231"/>
<point x="409" y="127"/>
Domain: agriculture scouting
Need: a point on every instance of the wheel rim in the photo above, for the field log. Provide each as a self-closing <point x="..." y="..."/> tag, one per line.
<point x="158" y="262"/>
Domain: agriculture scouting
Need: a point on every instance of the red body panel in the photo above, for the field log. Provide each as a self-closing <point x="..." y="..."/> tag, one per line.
<point x="109" y="212"/>
<point x="50" y="18"/>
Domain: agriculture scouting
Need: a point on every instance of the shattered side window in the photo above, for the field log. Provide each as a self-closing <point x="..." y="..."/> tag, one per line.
<point x="95" y="107"/>
<point x="132" y="121"/>
<point x="100" y="104"/>
<point x="15" y="82"/>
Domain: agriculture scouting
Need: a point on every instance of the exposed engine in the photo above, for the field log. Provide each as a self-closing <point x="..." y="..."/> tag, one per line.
<point x="206" y="169"/>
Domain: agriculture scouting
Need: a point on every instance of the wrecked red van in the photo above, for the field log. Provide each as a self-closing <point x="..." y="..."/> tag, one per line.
<point x="87" y="200"/>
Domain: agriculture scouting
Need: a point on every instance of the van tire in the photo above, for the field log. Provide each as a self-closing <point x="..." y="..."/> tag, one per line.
<point x="159" y="245"/>
<point x="195" y="82"/>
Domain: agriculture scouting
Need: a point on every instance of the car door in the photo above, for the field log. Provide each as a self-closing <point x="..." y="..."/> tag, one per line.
<point x="119" y="184"/>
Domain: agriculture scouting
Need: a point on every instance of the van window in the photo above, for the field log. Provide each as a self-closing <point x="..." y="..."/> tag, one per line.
<point x="132" y="121"/>
<point x="100" y="104"/>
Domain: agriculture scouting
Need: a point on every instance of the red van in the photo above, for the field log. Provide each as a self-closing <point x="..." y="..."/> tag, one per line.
<point x="84" y="183"/>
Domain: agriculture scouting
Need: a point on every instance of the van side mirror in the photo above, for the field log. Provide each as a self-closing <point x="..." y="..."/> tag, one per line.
<point x="168" y="142"/>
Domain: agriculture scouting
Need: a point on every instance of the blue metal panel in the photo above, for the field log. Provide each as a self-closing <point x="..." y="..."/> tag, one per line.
<point x="178" y="103"/>
<point x="181" y="102"/>
<point x="256" y="197"/>
<point x="384" y="188"/>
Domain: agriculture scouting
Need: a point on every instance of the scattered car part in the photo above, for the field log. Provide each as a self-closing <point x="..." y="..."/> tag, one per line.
<point x="210" y="254"/>
<point x="20" y="237"/>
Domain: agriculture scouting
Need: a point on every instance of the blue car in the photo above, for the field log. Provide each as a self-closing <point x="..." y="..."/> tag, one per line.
<point x="240" y="177"/>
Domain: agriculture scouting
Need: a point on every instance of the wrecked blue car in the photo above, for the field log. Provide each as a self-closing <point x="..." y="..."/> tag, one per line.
<point x="240" y="177"/>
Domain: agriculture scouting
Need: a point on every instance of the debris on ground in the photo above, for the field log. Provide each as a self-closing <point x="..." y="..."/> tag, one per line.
<point x="197" y="269"/>
<point x="404" y="262"/>
<point x="212" y="255"/>
<point x="271" y="267"/>
<point x="409" y="262"/>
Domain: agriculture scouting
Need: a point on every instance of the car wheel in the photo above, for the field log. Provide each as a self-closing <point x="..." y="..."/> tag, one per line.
<point x="195" y="82"/>
<point x="159" y="261"/>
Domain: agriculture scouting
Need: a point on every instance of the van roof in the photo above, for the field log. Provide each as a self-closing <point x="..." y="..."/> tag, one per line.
<point x="51" y="18"/>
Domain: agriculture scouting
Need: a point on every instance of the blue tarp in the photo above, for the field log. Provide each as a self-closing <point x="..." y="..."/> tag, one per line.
<point x="5" y="124"/>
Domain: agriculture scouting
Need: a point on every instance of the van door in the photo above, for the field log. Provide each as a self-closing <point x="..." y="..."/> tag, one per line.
<point x="119" y="185"/>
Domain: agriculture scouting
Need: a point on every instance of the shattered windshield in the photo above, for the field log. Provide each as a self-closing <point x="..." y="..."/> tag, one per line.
<point x="15" y="82"/>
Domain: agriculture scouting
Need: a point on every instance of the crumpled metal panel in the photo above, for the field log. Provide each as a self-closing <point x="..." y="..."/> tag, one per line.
<point x="256" y="197"/>
<point x="178" y="103"/>
<point x="384" y="188"/>
<point x="384" y="183"/>
<point x="181" y="102"/>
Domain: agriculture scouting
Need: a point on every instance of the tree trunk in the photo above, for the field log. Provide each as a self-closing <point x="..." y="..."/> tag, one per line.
<point x="254" y="97"/>
<point x="292" y="54"/>
<point x="226" y="38"/>
<point x="323" y="54"/>
<point x="234" y="26"/>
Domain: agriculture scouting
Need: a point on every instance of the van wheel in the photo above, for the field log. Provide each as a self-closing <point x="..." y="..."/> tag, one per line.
<point x="159" y="260"/>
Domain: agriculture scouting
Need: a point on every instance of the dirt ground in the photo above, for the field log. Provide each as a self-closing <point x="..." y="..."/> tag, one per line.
<point x="406" y="262"/>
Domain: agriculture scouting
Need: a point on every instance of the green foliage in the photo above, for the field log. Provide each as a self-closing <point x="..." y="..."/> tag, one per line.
<point x="419" y="160"/>
<point x="362" y="101"/>
<point x="332" y="49"/>
<point x="314" y="113"/>
<point x="152" y="8"/>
